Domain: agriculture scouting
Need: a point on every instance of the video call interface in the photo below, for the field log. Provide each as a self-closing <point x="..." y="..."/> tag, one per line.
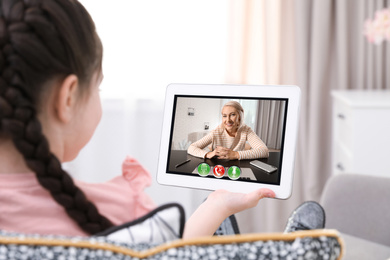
<point x="197" y="119"/>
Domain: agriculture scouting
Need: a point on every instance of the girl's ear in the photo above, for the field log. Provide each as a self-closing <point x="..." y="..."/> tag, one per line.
<point x="67" y="98"/>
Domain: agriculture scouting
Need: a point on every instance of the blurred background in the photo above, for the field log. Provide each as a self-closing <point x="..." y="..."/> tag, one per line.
<point x="321" y="46"/>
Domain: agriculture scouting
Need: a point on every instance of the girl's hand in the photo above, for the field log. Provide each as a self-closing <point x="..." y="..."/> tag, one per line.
<point x="219" y="205"/>
<point x="232" y="202"/>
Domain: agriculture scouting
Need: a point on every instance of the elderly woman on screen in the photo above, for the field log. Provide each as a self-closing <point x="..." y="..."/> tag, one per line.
<point x="231" y="140"/>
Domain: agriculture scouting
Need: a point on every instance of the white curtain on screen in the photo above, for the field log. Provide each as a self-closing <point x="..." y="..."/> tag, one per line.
<point x="270" y="121"/>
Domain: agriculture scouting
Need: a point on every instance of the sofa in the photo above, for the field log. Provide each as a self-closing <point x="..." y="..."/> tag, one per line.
<point x="157" y="236"/>
<point x="358" y="206"/>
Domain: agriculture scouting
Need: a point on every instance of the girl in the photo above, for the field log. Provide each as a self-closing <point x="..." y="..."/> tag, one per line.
<point x="50" y="63"/>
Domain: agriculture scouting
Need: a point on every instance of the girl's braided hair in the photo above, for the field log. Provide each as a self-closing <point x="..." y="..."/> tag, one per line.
<point x="43" y="40"/>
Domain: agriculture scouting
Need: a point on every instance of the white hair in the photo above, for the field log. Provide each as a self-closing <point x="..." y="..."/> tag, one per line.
<point x="238" y="108"/>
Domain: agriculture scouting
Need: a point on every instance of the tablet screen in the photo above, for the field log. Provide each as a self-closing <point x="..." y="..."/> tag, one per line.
<point x="234" y="137"/>
<point x="251" y="129"/>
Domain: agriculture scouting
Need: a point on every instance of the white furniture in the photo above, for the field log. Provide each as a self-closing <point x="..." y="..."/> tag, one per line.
<point x="361" y="132"/>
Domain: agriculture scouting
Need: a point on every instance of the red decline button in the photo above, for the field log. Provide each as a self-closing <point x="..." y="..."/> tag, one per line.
<point x="219" y="171"/>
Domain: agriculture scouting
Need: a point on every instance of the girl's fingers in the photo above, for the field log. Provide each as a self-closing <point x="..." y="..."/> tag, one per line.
<point x="260" y="193"/>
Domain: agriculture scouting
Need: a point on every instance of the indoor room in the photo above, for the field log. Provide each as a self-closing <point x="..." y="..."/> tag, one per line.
<point x="337" y="52"/>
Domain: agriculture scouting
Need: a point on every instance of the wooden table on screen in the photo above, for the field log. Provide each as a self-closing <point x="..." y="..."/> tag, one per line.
<point x="179" y="156"/>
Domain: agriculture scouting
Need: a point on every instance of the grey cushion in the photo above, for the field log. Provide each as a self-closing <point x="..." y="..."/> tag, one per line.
<point x="357" y="248"/>
<point x="358" y="205"/>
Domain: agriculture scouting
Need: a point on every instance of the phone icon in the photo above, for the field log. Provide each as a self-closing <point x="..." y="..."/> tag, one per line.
<point x="219" y="171"/>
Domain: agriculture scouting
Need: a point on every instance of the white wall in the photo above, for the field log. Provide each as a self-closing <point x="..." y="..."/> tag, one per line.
<point x="205" y="110"/>
<point x="149" y="44"/>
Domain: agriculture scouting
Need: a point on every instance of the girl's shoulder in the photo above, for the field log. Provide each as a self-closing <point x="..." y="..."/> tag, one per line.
<point x="136" y="174"/>
<point x="134" y="179"/>
<point x="123" y="197"/>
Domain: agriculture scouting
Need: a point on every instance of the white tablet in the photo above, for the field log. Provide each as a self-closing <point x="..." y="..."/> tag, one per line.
<point x="265" y="140"/>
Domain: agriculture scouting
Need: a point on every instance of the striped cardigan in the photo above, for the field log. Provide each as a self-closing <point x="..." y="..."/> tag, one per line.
<point x="220" y="137"/>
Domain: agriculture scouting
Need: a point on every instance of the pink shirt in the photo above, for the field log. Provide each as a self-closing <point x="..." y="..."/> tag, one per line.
<point x="26" y="207"/>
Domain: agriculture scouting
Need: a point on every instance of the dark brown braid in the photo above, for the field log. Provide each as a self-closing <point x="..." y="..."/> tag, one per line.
<point x="41" y="40"/>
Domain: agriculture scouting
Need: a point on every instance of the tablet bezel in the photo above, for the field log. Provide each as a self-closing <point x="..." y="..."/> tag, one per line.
<point x="289" y="92"/>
